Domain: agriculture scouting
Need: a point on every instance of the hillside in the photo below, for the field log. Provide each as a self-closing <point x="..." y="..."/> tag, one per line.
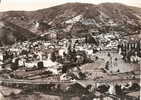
<point x="11" y="33"/>
<point x="78" y="19"/>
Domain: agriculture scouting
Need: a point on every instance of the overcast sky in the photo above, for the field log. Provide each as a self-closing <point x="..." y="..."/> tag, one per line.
<point x="39" y="4"/>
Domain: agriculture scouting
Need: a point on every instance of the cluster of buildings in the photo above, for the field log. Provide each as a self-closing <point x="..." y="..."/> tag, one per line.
<point x="51" y="55"/>
<point x="63" y="59"/>
<point x="131" y="50"/>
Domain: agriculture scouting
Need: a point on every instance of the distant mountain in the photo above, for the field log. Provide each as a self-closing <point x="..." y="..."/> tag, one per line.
<point x="10" y="33"/>
<point x="78" y="19"/>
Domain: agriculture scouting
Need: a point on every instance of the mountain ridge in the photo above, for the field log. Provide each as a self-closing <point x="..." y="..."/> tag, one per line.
<point x="78" y="19"/>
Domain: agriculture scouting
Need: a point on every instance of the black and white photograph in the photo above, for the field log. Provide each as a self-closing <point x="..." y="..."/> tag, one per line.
<point x="70" y="49"/>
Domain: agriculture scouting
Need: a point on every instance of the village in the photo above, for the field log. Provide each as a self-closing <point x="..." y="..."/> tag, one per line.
<point x="102" y="67"/>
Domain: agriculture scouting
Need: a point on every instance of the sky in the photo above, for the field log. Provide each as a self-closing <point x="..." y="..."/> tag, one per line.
<point x="30" y="5"/>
